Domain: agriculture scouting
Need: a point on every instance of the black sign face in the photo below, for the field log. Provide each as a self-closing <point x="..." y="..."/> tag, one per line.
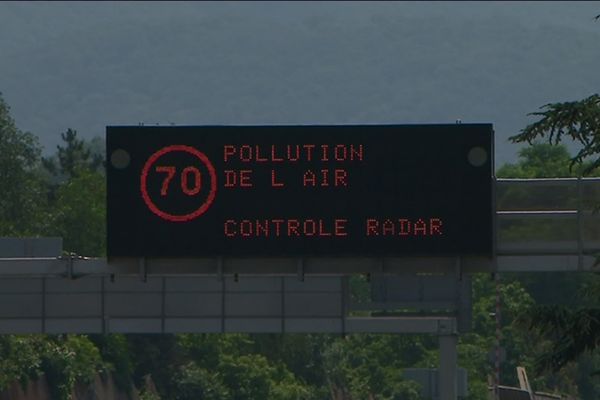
<point x="349" y="190"/>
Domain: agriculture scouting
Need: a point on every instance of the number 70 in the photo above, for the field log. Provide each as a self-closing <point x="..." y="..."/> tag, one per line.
<point x="191" y="179"/>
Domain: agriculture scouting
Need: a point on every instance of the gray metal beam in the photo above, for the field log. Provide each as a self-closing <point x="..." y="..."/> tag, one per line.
<point x="448" y="371"/>
<point x="30" y="247"/>
<point x="229" y="266"/>
<point x="518" y="262"/>
<point x="194" y="304"/>
<point x="432" y="325"/>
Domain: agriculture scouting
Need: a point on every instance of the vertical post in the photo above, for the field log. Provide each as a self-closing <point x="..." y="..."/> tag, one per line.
<point x="498" y="338"/>
<point x="448" y="372"/>
<point x="283" y="304"/>
<point x="300" y="263"/>
<point x="143" y="271"/>
<point x="223" y="309"/>
<point x="103" y="306"/>
<point x="220" y="269"/>
<point x="163" y="302"/>
<point x="344" y="301"/>
<point x="496" y="275"/>
<point x="43" y="305"/>
<point x="579" y="224"/>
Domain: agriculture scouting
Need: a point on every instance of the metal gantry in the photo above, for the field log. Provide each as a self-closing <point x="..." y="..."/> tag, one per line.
<point x="540" y="225"/>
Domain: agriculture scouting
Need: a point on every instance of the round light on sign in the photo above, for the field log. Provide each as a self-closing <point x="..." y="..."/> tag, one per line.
<point x="477" y="156"/>
<point x="120" y="159"/>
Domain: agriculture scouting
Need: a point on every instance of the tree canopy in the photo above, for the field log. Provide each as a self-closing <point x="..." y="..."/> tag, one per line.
<point x="542" y="160"/>
<point x="577" y="120"/>
<point x="573" y="330"/>
<point x="23" y="195"/>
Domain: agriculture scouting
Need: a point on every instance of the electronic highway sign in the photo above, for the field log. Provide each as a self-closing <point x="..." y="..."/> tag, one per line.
<point x="322" y="190"/>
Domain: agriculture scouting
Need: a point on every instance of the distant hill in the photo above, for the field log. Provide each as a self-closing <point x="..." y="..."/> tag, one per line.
<point x="84" y="67"/>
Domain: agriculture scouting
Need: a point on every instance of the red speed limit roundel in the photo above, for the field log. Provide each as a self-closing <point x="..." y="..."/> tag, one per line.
<point x="190" y="180"/>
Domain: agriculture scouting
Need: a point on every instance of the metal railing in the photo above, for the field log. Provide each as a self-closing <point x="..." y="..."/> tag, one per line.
<point x="550" y="217"/>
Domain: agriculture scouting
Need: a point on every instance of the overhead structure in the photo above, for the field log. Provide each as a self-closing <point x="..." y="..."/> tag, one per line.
<point x="339" y="191"/>
<point x="540" y="225"/>
<point x="257" y="229"/>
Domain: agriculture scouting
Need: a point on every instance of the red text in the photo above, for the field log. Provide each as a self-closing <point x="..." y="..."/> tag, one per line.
<point x="403" y="227"/>
<point x="191" y="180"/>
<point x="285" y="227"/>
<point x="325" y="177"/>
<point x="242" y="178"/>
<point x="293" y="152"/>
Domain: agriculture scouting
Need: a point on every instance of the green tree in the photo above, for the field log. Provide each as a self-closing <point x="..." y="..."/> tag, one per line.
<point x="301" y="353"/>
<point x="77" y="195"/>
<point x="542" y="160"/>
<point x="193" y="382"/>
<point x="157" y="356"/>
<point x="370" y="366"/>
<point x="20" y="359"/>
<point x="574" y="331"/>
<point x="575" y="120"/>
<point x="248" y="367"/>
<point x="521" y="291"/>
<point x="79" y="214"/>
<point x="22" y="200"/>
<point x="251" y="376"/>
<point x="117" y="355"/>
<point x="67" y="360"/>
<point x="74" y="156"/>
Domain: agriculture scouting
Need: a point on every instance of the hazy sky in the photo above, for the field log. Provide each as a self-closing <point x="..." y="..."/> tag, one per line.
<point x="46" y="95"/>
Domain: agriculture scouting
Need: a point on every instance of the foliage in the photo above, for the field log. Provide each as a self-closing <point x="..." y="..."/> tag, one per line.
<point x="519" y="291"/>
<point x="301" y="353"/>
<point x="147" y="395"/>
<point x="73" y="157"/>
<point x="574" y="330"/>
<point x="20" y="359"/>
<point x="151" y="354"/>
<point x="370" y="366"/>
<point x="235" y="365"/>
<point x="67" y="360"/>
<point x="23" y="196"/>
<point x="79" y="215"/>
<point x="250" y="376"/>
<point x="542" y="160"/>
<point x="193" y="382"/>
<point x="569" y="331"/>
<point x="577" y="120"/>
<point x="117" y="356"/>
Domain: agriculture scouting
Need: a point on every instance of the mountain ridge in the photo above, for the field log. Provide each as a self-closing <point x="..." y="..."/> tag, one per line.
<point x="218" y="65"/>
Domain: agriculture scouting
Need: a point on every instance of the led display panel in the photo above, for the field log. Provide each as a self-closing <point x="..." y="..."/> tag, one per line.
<point x="305" y="190"/>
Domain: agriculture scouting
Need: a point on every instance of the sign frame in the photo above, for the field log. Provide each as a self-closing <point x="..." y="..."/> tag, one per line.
<point x="367" y="259"/>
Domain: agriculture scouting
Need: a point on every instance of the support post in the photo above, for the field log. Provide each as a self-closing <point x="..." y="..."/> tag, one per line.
<point x="448" y="371"/>
<point x="300" y="263"/>
<point x="220" y="269"/>
<point x="143" y="270"/>
<point x="579" y="224"/>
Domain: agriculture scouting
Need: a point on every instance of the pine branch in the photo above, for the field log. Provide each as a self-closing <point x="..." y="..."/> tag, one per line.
<point x="578" y="120"/>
